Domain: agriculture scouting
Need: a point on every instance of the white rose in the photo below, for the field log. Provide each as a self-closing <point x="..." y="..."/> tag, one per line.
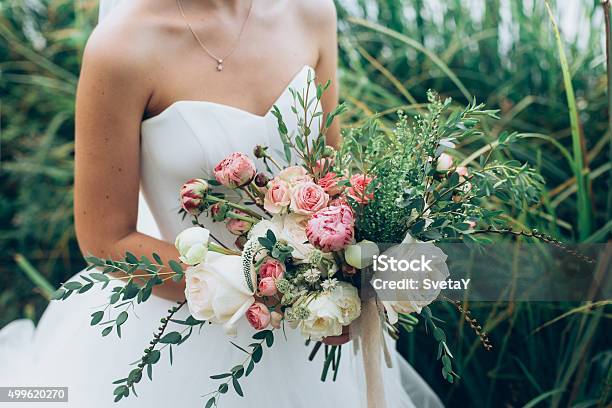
<point x="413" y="300"/>
<point x="192" y="245"/>
<point x="347" y="298"/>
<point x="329" y="311"/>
<point x="217" y="291"/>
<point x="324" y="318"/>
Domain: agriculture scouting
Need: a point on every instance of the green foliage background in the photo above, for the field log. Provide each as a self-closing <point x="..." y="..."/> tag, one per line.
<point x="502" y="52"/>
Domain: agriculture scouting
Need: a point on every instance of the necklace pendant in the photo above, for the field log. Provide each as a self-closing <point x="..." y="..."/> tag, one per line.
<point x="220" y="65"/>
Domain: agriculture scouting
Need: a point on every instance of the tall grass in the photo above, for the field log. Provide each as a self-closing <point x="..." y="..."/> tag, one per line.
<point x="505" y="53"/>
<point x="553" y="90"/>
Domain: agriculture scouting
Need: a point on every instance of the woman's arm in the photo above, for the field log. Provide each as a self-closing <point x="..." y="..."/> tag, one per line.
<point x="112" y="95"/>
<point x="327" y="65"/>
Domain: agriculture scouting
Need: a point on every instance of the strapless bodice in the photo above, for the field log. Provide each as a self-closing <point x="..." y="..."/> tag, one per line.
<point x="188" y="139"/>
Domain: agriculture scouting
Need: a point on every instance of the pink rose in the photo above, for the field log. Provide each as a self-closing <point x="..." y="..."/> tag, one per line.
<point x="267" y="286"/>
<point x="192" y="195"/>
<point x="278" y="196"/>
<point x="307" y="198"/>
<point x="294" y="175"/>
<point x="234" y="171"/>
<point x="276" y="319"/>
<point x="358" y="188"/>
<point x="271" y="268"/>
<point x="330" y="184"/>
<point x="258" y="316"/>
<point x="236" y="226"/>
<point x="444" y="163"/>
<point x="331" y="229"/>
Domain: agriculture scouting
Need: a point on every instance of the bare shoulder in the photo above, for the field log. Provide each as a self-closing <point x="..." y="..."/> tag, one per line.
<point x="317" y="14"/>
<point x="121" y="45"/>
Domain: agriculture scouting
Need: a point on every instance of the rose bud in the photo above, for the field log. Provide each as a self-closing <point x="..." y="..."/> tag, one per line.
<point x="260" y="151"/>
<point x="444" y="163"/>
<point x="272" y="268"/>
<point x="192" y="195"/>
<point x="192" y="245"/>
<point x="361" y="255"/>
<point x="267" y="287"/>
<point x="238" y="227"/>
<point x="261" y="180"/>
<point x="236" y="170"/>
<point x="258" y="316"/>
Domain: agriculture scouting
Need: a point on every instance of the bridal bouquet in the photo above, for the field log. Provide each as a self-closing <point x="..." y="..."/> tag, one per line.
<point x="307" y="231"/>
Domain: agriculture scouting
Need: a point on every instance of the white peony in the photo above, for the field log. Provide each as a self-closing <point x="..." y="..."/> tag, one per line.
<point x="192" y="245"/>
<point x="217" y="291"/>
<point x="413" y="300"/>
<point x="329" y="311"/>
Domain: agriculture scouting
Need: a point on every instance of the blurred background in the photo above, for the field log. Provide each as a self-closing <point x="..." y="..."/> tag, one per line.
<point x="501" y="52"/>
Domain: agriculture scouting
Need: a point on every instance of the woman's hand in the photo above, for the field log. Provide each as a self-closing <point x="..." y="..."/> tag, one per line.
<point x="338" y="340"/>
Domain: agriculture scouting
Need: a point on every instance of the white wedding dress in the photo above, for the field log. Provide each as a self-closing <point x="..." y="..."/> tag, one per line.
<point x="186" y="140"/>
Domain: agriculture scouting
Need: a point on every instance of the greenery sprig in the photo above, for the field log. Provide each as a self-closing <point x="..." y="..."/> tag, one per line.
<point x="245" y="368"/>
<point x="444" y="354"/>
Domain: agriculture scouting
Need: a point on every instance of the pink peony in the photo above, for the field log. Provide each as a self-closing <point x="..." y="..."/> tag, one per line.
<point x="272" y="268"/>
<point x="332" y="228"/>
<point x="234" y="171"/>
<point x="258" y="316"/>
<point x="307" y="198"/>
<point x="267" y="287"/>
<point x="238" y="227"/>
<point x="278" y="196"/>
<point x="330" y="184"/>
<point x="358" y="188"/>
<point x="192" y="195"/>
<point x="294" y="175"/>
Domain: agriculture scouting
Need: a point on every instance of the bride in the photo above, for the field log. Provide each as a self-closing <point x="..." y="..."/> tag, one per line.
<point x="168" y="88"/>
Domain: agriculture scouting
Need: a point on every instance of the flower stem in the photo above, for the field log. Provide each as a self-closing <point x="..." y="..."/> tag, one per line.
<point x="220" y="250"/>
<point x="215" y="199"/>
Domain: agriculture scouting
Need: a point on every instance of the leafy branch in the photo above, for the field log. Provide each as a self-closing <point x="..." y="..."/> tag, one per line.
<point x="444" y="353"/>
<point x="252" y="357"/>
<point x="140" y="276"/>
<point x="152" y="355"/>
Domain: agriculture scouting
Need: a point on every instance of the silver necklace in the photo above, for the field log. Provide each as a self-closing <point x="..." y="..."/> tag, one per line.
<point x="218" y="60"/>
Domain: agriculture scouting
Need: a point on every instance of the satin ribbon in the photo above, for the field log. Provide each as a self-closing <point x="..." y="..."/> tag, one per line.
<point x="369" y="337"/>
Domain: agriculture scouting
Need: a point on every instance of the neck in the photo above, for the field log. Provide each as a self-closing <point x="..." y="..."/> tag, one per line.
<point x="234" y="6"/>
